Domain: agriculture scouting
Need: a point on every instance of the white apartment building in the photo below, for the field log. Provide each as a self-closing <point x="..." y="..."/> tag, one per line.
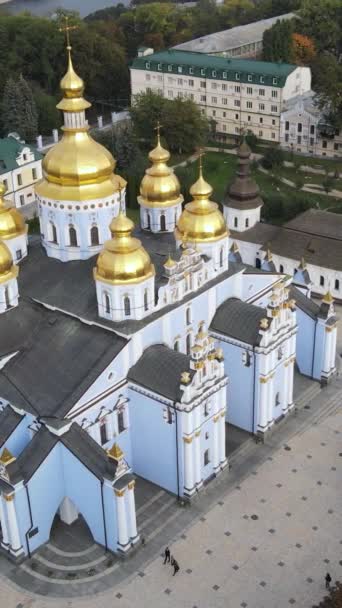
<point x="304" y="129"/>
<point x="20" y="169"/>
<point x="239" y="94"/>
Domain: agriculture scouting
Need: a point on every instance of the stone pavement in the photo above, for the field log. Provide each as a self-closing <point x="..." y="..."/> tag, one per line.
<point x="264" y="536"/>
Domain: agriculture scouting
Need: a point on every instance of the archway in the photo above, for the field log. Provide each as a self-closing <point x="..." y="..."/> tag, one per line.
<point x="68" y="534"/>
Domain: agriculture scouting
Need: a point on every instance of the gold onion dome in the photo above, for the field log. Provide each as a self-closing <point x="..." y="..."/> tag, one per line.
<point x="123" y="258"/>
<point x="8" y="270"/>
<point x="77" y="168"/>
<point x="12" y="223"/>
<point x="160" y="186"/>
<point x="201" y="219"/>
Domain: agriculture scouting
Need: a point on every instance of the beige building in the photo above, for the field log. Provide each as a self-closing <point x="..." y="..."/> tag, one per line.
<point x="20" y="169"/>
<point x="238" y="94"/>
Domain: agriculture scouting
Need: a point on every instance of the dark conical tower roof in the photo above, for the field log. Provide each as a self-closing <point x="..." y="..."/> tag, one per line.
<point x="243" y="193"/>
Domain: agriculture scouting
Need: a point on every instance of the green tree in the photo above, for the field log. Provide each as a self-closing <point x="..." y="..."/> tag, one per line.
<point x="273" y="158"/>
<point x="327" y="82"/>
<point x="146" y="110"/>
<point x="10" y="107"/>
<point x="29" y="119"/>
<point x="277" y="42"/>
<point x="322" y="20"/>
<point x="48" y="116"/>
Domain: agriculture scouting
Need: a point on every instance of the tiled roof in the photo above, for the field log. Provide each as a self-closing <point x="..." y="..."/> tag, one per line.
<point x="10" y="148"/>
<point x="239" y="320"/>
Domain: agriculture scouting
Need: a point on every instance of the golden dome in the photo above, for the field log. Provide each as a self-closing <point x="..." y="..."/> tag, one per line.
<point x="12" y="223"/>
<point x="123" y="258"/>
<point x="160" y="186"/>
<point x="201" y="220"/>
<point x="8" y="270"/>
<point x="77" y="168"/>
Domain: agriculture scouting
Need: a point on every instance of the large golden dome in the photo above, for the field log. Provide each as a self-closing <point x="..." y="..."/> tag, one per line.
<point x="201" y="220"/>
<point x="8" y="270"/>
<point x="12" y="223"/>
<point x="123" y="258"/>
<point x="77" y="168"/>
<point x="160" y="186"/>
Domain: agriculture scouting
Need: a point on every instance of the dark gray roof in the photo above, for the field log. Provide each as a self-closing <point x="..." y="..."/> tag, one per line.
<point x="9" y="420"/>
<point x="305" y="304"/>
<point x="260" y="233"/>
<point x="59" y="358"/>
<point x="239" y="320"/>
<point x="159" y="369"/>
<point x="319" y="223"/>
<point x="76" y="440"/>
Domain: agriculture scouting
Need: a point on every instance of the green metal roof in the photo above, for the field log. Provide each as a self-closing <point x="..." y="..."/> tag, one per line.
<point x="218" y="68"/>
<point x="10" y="148"/>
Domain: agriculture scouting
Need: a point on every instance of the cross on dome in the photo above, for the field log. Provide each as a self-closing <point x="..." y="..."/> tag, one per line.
<point x="67" y="29"/>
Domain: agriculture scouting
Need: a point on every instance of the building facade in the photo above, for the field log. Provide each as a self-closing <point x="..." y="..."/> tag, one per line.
<point x="238" y="94"/>
<point x="20" y="169"/>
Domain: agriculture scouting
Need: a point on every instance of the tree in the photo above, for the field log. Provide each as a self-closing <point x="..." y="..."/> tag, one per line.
<point x="327" y="82"/>
<point x="303" y="49"/>
<point x="48" y="116"/>
<point x="277" y="42"/>
<point x="19" y="112"/>
<point x="10" y="107"/>
<point x="273" y="158"/>
<point x="251" y="140"/>
<point x="322" y="20"/>
<point x="29" y="128"/>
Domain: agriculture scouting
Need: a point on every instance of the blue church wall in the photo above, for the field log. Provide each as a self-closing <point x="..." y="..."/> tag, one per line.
<point x="153" y="442"/>
<point x="253" y="283"/>
<point x="240" y="386"/>
<point x="319" y="350"/>
<point x="50" y="477"/>
<point x="20" y="437"/>
<point x="278" y="387"/>
<point x="308" y="363"/>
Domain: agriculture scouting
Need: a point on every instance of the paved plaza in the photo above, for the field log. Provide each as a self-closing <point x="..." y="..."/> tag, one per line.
<point x="262" y="535"/>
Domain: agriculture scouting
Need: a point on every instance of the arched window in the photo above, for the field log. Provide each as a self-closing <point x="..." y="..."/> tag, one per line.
<point x="7" y="298"/>
<point x="121" y="421"/>
<point x="145" y="299"/>
<point x="162" y="223"/>
<point x="235" y="222"/>
<point x="277" y="399"/>
<point x="53" y="233"/>
<point x="246" y="222"/>
<point x="148" y="222"/>
<point x="103" y="431"/>
<point x="94" y="235"/>
<point x="188" y="316"/>
<point x="257" y="263"/>
<point x="72" y="236"/>
<point x="176" y="346"/>
<point x="107" y="303"/>
<point x="127" y="306"/>
<point x="281" y="268"/>
<point x="221" y="257"/>
<point x="188" y="344"/>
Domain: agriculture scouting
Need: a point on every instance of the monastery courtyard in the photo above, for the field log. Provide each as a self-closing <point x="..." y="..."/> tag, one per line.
<point x="263" y="535"/>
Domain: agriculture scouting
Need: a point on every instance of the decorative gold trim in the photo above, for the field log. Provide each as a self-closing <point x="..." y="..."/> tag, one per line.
<point x="6" y="457"/>
<point x="263" y="380"/>
<point x="8" y="497"/>
<point x="223" y="413"/>
<point x="198" y="434"/>
<point x="187" y="439"/>
<point x="329" y="329"/>
<point x="119" y="492"/>
<point x="131" y="485"/>
<point x="216" y="418"/>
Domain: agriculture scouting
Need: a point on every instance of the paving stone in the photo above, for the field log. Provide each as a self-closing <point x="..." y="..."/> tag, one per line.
<point x="168" y="591"/>
<point x="235" y="567"/>
<point x="262" y="583"/>
<point x="298" y="545"/>
<point x="309" y="579"/>
<point x="254" y="548"/>
<point x="188" y="571"/>
<point x="216" y="587"/>
<point x="281" y="564"/>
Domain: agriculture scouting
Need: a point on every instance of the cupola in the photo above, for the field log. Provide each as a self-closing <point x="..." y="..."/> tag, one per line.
<point x="13" y="229"/>
<point x="8" y="279"/>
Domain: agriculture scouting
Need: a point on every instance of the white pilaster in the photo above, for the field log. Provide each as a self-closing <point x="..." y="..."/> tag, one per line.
<point x="270" y="401"/>
<point x="222" y="439"/>
<point x="15" y="544"/>
<point x="327" y="352"/>
<point x="263" y="393"/>
<point x="198" y="470"/>
<point x="4" y="528"/>
<point x="188" y="466"/>
<point x="123" y="538"/>
<point x="333" y="349"/>
<point x="290" y="384"/>
<point x="216" y="457"/>
<point x="133" y="533"/>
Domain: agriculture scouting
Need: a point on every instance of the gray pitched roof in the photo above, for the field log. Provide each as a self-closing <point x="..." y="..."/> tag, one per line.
<point x="9" y="420"/>
<point x="305" y="304"/>
<point x="318" y="223"/>
<point x="59" y="358"/>
<point x="239" y="320"/>
<point x="76" y="440"/>
<point x="159" y="369"/>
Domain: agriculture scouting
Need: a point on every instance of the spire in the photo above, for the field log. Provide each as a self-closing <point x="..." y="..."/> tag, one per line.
<point x="243" y="192"/>
<point x="327" y="298"/>
<point x="302" y="264"/>
<point x="71" y="84"/>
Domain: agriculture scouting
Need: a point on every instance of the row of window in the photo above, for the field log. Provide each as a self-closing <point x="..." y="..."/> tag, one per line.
<point x="207" y="72"/>
<point x="20" y="179"/>
<point x="300" y="127"/>
<point x="321" y="278"/>
<point x="73" y="238"/>
<point x="127" y="307"/>
<point x="105" y="430"/>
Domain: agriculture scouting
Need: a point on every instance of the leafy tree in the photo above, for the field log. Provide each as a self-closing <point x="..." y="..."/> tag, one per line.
<point x="273" y="158"/>
<point x="19" y="112"/>
<point x="146" y="110"/>
<point x="303" y="49"/>
<point x="327" y="82"/>
<point x="277" y="42"/>
<point x="322" y="20"/>
<point x="29" y="118"/>
<point x="251" y="140"/>
<point x="10" y="107"/>
<point x="48" y="116"/>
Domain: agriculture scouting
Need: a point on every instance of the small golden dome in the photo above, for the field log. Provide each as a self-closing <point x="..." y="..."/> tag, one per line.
<point x="12" y="223"/>
<point x="72" y="87"/>
<point x="160" y="186"/>
<point x="201" y="220"/>
<point x="170" y="263"/>
<point x="8" y="270"/>
<point x="123" y="258"/>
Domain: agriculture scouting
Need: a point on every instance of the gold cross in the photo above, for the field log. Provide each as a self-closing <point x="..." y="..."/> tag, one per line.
<point x="67" y="28"/>
<point x="200" y="157"/>
<point x="157" y="128"/>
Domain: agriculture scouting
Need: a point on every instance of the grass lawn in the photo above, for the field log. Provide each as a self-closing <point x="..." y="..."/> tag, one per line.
<point x="329" y="164"/>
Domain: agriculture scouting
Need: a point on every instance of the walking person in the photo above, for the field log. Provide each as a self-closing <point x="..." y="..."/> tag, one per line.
<point x="167" y="555"/>
<point x="327" y="580"/>
<point x="175" y="567"/>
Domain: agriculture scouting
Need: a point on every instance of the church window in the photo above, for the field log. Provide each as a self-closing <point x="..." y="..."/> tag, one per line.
<point x="257" y="263"/>
<point x="162" y="223"/>
<point x="94" y="235"/>
<point x="280" y="353"/>
<point x="207" y="435"/>
<point x="221" y="257"/>
<point x="7" y="299"/>
<point x="103" y="432"/>
<point x="72" y="236"/>
<point x="321" y="281"/>
<point x="312" y="129"/>
<point x="176" y="346"/>
<point x="53" y="233"/>
<point x="169" y="415"/>
<point x="148" y="221"/>
<point x="188" y="344"/>
<point x="246" y="358"/>
<point x="324" y="144"/>
<point x="261" y="120"/>
<point x="281" y="268"/>
<point x="127" y="306"/>
<point x="299" y="127"/>
<point x="206" y="457"/>
<point x="121" y="421"/>
<point x="34" y="173"/>
<point x="19" y="180"/>
<point x="287" y="125"/>
<point x="235" y="222"/>
<point x="188" y="316"/>
<point x="277" y="399"/>
<point x="145" y="299"/>
<point x="246" y="222"/>
<point x="18" y="254"/>
<point x="337" y="284"/>
<point x="107" y="303"/>
<point x="274" y="108"/>
<point x="207" y="408"/>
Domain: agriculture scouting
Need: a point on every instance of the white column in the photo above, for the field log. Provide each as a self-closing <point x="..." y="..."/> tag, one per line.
<point x="133" y="533"/>
<point x="5" y="537"/>
<point x="15" y="544"/>
<point x="333" y="349"/>
<point x="216" y="459"/>
<point x="263" y="393"/>
<point x="270" y="401"/>
<point x="55" y="135"/>
<point x="222" y="439"/>
<point x="198" y="470"/>
<point x="290" y="385"/>
<point x="326" y="360"/>
<point x="123" y="538"/>
<point x="188" y="466"/>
